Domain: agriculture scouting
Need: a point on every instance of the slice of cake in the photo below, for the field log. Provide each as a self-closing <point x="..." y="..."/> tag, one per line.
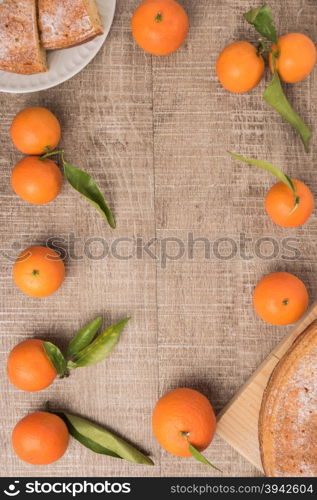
<point x="64" y="23"/>
<point x="20" y="50"/>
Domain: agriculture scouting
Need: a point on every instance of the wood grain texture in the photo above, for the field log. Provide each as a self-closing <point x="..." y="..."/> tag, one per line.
<point x="153" y="132"/>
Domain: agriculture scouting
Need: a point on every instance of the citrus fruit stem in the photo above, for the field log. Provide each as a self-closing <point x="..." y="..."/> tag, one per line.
<point x="159" y="17"/>
<point x="262" y="47"/>
<point x="35" y="272"/>
<point x="285" y="302"/>
<point x="185" y="434"/>
<point x="297" y="200"/>
<point x="275" y="55"/>
<point x="51" y="153"/>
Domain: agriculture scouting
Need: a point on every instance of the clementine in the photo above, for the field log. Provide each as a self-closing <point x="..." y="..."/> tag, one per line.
<point x="279" y="204"/>
<point x="239" y="67"/>
<point x="36" y="181"/>
<point x="35" y="130"/>
<point x="280" y="298"/>
<point x="296" y="57"/>
<point x="159" y="26"/>
<point x="183" y="416"/>
<point x="38" y="271"/>
<point x="28" y="366"/>
<point x="40" y="438"/>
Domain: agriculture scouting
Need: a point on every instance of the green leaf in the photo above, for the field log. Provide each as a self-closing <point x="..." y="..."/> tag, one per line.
<point x="102" y="441"/>
<point x="88" y="443"/>
<point x="100" y="348"/>
<point x="200" y="458"/>
<point x="56" y="358"/>
<point x="84" y="337"/>
<point x="261" y="18"/>
<point x="275" y="97"/>
<point x="85" y="185"/>
<point x="272" y="169"/>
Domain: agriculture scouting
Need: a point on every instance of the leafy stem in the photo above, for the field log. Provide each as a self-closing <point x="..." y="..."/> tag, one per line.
<point x="263" y="47"/>
<point x="272" y="169"/>
<point x="84" y="184"/>
<point x="85" y="349"/>
<point x="195" y="453"/>
<point x="262" y="20"/>
<point x="51" y="153"/>
<point x="275" y="97"/>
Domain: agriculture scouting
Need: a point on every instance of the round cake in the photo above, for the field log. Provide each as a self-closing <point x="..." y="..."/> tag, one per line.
<point x="288" y="416"/>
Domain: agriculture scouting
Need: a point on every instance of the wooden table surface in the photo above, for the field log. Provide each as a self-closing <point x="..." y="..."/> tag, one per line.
<point x="154" y="133"/>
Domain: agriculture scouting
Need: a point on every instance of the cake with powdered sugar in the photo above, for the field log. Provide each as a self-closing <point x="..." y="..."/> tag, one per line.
<point x="288" y="416"/>
<point x="20" y="49"/>
<point x="64" y="23"/>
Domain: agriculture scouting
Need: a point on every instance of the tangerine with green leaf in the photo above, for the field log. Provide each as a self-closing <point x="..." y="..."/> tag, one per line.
<point x="36" y="180"/>
<point x="181" y="417"/>
<point x="280" y="298"/>
<point x="40" y="438"/>
<point x="28" y="366"/>
<point x="34" y="364"/>
<point x="38" y="271"/>
<point x="239" y="67"/>
<point x="279" y="204"/>
<point x="289" y="203"/>
<point x="295" y="57"/>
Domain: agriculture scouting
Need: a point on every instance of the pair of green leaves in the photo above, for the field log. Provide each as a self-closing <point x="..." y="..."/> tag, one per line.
<point x="261" y="18"/>
<point x="99" y="440"/>
<point x="272" y="169"/>
<point x="84" y="184"/>
<point x="85" y="349"/>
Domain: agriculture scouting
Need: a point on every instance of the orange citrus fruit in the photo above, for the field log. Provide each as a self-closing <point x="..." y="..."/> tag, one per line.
<point x="40" y="438"/>
<point x="280" y="298"/>
<point x="38" y="271"/>
<point x="239" y="67"/>
<point x="159" y="26"/>
<point x="296" y="57"/>
<point x="36" y="181"/>
<point x="279" y="204"/>
<point x="183" y="416"/>
<point x="35" y="130"/>
<point x="28" y="366"/>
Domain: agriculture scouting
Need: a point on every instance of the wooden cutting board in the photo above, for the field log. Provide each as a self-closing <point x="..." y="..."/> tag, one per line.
<point x="238" y="421"/>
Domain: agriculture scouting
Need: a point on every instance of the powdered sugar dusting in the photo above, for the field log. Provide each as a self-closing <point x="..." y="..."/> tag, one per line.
<point x="58" y="20"/>
<point x="294" y="418"/>
<point x="65" y="22"/>
<point x="19" y="37"/>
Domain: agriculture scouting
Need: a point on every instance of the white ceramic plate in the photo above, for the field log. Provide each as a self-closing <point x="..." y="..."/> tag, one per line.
<point x="63" y="64"/>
